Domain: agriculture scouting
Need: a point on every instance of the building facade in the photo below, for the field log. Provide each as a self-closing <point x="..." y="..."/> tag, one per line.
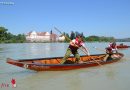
<point x="34" y="36"/>
<point x="61" y="38"/>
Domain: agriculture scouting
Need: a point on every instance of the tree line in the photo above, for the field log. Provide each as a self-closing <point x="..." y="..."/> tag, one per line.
<point x="92" y="38"/>
<point x="7" y="37"/>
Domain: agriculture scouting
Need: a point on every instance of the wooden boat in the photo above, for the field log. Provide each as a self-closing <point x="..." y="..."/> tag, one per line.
<point x="53" y="64"/>
<point x="122" y="46"/>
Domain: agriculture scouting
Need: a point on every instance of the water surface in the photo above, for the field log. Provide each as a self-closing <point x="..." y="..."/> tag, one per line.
<point x="114" y="76"/>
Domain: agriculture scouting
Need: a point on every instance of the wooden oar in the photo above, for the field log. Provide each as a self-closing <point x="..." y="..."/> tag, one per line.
<point x="79" y="48"/>
<point x="62" y="33"/>
<point x="92" y="58"/>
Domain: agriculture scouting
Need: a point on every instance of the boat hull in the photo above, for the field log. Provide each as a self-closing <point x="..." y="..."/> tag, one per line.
<point x="123" y="47"/>
<point x="43" y="65"/>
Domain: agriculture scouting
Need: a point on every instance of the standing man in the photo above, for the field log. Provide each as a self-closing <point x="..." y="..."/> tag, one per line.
<point x="75" y="44"/>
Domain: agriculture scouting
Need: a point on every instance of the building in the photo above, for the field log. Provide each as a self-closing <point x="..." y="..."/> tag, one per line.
<point x="61" y="38"/>
<point x="34" y="36"/>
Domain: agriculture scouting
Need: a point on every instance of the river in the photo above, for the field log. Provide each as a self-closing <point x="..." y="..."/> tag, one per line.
<point x="115" y="76"/>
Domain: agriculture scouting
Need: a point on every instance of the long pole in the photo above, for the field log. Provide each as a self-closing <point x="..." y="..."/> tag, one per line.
<point x="70" y="40"/>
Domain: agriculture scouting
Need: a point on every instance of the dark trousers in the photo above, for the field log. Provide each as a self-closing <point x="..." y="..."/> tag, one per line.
<point x="68" y="53"/>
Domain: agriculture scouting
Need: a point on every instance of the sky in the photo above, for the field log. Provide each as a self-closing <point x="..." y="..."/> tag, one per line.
<point x="109" y="18"/>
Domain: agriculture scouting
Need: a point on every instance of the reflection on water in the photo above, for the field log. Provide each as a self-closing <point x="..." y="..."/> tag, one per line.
<point x="114" y="76"/>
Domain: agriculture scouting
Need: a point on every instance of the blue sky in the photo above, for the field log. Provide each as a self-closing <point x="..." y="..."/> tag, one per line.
<point x="92" y="17"/>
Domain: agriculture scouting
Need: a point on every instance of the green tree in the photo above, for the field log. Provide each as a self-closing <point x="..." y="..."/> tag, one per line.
<point x="77" y="33"/>
<point x="20" y="38"/>
<point x="67" y="38"/>
<point x="72" y="35"/>
<point x="3" y="34"/>
<point x="7" y="37"/>
<point x="100" y="39"/>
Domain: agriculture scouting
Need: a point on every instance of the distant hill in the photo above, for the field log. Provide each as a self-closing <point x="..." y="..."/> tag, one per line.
<point x="123" y="40"/>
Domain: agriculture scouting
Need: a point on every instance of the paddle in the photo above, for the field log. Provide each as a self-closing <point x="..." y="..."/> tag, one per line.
<point x="79" y="48"/>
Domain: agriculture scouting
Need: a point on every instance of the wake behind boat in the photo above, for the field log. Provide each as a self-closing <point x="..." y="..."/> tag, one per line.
<point x="54" y="63"/>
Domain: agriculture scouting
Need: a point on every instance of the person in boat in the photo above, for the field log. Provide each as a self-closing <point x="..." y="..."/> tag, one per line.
<point x="74" y="45"/>
<point x="121" y="44"/>
<point x="111" y="50"/>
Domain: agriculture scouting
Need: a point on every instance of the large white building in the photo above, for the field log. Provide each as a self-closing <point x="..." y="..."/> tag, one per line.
<point x="34" y="36"/>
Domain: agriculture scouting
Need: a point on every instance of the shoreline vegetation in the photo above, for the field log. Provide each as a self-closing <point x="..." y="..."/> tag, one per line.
<point x="7" y="37"/>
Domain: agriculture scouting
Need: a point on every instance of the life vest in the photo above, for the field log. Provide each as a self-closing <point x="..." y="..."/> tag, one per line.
<point x="108" y="50"/>
<point x="74" y="49"/>
<point x="78" y="43"/>
<point x="112" y="46"/>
